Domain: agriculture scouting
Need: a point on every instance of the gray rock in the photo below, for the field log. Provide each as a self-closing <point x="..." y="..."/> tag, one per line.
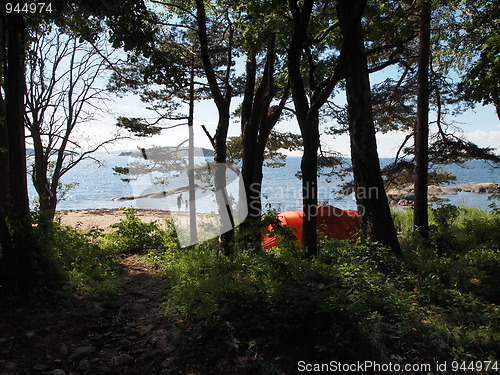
<point x="134" y="332"/>
<point x="480" y="187"/>
<point x="96" y="337"/>
<point x="55" y="372"/>
<point x="41" y="367"/>
<point x="449" y="190"/>
<point x="84" y="365"/>
<point x="80" y="353"/>
<point x="30" y="334"/>
<point x="121" y="360"/>
<point x="63" y="349"/>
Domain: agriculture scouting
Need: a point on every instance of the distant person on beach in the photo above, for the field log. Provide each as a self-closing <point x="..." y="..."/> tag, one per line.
<point x="187" y="205"/>
<point x="179" y="201"/>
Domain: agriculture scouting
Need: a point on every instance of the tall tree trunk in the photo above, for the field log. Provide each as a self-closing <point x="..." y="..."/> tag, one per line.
<point x="21" y="257"/>
<point x="309" y="171"/>
<point x="249" y="136"/>
<point x="40" y="180"/>
<point x="193" y="232"/>
<point x="420" y="218"/>
<point x="4" y="144"/>
<point x="496" y="103"/>
<point x="227" y="223"/>
<point x="376" y="220"/>
<point x="307" y="117"/>
<point x="222" y="99"/>
<point x="258" y="119"/>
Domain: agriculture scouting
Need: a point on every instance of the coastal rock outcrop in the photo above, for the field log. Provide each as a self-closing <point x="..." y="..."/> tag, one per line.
<point x="405" y="197"/>
<point x="480" y="187"/>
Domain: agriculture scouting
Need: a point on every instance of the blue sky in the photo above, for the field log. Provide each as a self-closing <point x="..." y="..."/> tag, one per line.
<point x="481" y="126"/>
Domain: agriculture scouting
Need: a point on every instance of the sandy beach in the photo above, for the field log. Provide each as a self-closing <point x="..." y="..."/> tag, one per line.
<point x="104" y="217"/>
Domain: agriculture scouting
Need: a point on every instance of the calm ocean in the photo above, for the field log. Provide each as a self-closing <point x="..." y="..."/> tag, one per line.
<point x="281" y="188"/>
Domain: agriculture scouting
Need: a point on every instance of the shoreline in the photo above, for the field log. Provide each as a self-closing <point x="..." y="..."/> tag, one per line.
<point x="104" y="217"/>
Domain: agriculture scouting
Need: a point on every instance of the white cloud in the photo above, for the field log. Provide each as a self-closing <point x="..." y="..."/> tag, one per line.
<point x="485" y="138"/>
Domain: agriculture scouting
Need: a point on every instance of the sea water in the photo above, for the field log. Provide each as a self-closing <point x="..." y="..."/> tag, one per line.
<point x="97" y="184"/>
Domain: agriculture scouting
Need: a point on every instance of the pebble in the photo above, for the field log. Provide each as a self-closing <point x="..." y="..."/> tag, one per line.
<point x="84" y="365"/>
<point x="96" y="337"/>
<point x="134" y="333"/>
<point x="122" y="360"/>
<point x="80" y="353"/>
<point x="141" y="361"/>
<point x="41" y="367"/>
<point x="63" y="349"/>
<point x="57" y="371"/>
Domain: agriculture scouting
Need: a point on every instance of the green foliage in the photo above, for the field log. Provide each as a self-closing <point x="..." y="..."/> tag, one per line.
<point x="79" y="257"/>
<point x="137" y="126"/>
<point x="463" y="253"/>
<point x="273" y="157"/>
<point x="233" y="304"/>
<point x="261" y="313"/>
<point x="402" y="174"/>
<point x="494" y="205"/>
<point x="132" y="236"/>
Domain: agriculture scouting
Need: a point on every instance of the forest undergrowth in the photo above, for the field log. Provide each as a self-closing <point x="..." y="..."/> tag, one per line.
<point x="271" y="312"/>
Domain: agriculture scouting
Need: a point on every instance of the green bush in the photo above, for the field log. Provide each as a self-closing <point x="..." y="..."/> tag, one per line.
<point x="270" y="308"/>
<point x="89" y="267"/>
<point x="261" y="313"/>
<point x="133" y="236"/>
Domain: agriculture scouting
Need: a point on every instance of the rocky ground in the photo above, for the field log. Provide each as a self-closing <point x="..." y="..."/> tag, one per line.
<point x="123" y="334"/>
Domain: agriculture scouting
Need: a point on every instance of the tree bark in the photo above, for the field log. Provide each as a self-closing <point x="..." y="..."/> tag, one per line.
<point x="21" y="254"/>
<point x="193" y="232"/>
<point x="4" y="144"/>
<point x="373" y="207"/>
<point x="420" y="218"/>
<point x="258" y="119"/>
<point x="307" y="119"/>
<point x="496" y="103"/>
<point x="222" y="100"/>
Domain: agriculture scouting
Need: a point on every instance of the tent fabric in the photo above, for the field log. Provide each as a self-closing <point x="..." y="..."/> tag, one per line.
<point x="332" y="222"/>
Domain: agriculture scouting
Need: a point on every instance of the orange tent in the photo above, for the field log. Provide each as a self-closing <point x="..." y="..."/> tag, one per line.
<point x="332" y="222"/>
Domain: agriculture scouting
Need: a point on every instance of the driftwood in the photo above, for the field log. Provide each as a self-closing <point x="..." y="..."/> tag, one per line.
<point x="156" y="194"/>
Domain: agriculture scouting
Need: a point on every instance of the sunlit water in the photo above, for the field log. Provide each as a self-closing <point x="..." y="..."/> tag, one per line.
<point x="281" y="188"/>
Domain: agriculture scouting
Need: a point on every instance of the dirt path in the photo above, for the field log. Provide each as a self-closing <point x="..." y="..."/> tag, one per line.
<point x="125" y="334"/>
